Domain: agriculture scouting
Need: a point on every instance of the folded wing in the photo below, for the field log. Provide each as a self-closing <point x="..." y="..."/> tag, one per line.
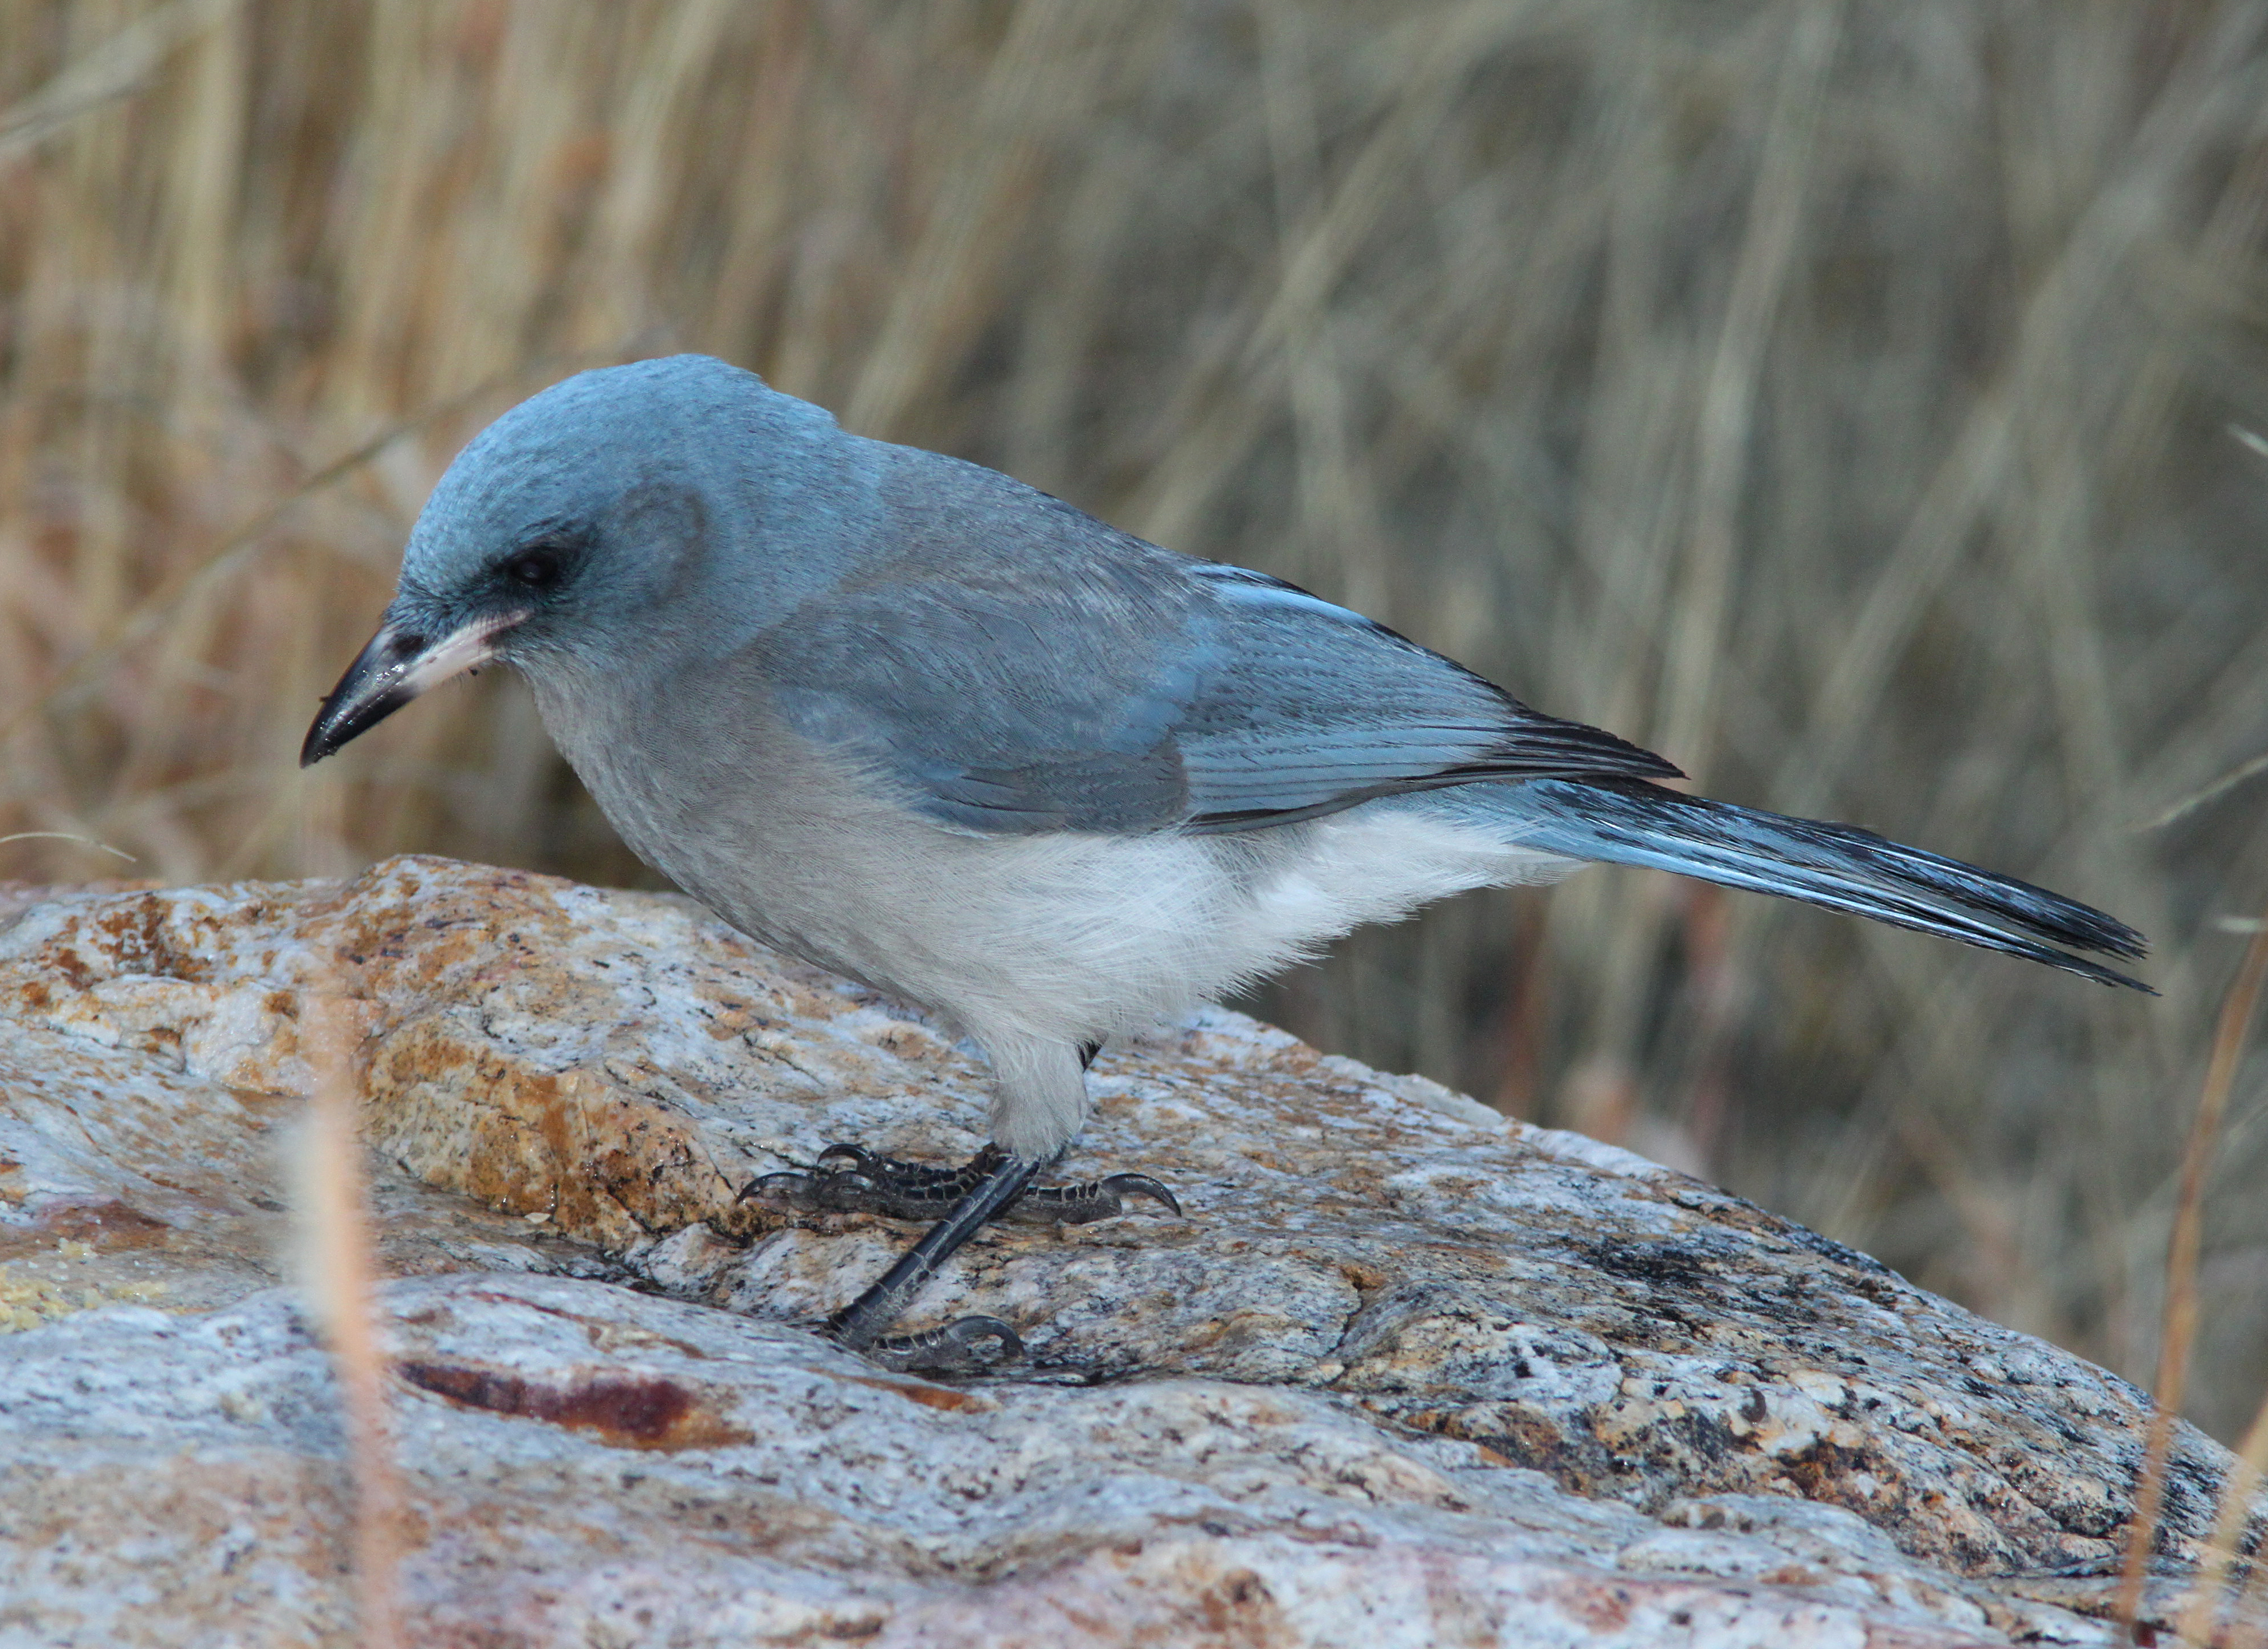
<point x="1138" y="690"/>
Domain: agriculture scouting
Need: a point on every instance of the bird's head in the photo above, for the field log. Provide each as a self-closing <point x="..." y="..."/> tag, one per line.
<point x="617" y="517"/>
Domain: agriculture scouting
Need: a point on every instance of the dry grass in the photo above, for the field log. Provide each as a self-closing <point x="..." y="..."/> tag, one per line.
<point x="2177" y="1337"/>
<point x="338" y="1273"/>
<point x="1834" y="397"/>
<point x="2214" y="1606"/>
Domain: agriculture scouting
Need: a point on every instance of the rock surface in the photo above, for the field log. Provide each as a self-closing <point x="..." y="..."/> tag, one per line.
<point x="1406" y="1374"/>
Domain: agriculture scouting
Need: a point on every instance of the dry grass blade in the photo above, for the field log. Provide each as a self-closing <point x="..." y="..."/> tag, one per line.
<point x="65" y="835"/>
<point x="2179" y="1333"/>
<point x="2199" y="1620"/>
<point x="2213" y="791"/>
<point x="119" y="67"/>
<point x="340" y="1268"/>
<point x="1699" y="640"/>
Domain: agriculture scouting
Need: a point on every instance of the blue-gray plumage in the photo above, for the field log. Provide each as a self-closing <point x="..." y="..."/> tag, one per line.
<point x="915" y="721"/>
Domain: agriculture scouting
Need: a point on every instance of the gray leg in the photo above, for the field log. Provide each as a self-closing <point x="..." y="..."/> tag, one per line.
<point x="961" y="1200"/>
<point x="953" y="1348"/>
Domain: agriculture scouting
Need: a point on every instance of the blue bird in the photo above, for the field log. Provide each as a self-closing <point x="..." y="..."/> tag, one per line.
<point x="917" y="722"/>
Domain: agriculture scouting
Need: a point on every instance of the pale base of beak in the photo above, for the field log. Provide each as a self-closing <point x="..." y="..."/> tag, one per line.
<point x="393" y="669"/>
<point x="469" y="649"/>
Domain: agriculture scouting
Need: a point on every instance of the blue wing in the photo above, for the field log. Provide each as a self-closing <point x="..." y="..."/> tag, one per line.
<point x="1116" y="687"/>
<point x="1311" y="708"/>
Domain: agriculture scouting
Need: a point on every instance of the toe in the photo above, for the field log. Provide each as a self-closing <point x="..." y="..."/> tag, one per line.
<point x="967" y="1345"/>
<point x="793" y="1186"/>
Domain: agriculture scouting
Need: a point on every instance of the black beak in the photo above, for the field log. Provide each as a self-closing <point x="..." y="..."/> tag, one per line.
<point x="396" y="668"/>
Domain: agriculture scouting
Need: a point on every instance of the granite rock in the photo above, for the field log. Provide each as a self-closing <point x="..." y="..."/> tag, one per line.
<point x="1405" y="1372"/>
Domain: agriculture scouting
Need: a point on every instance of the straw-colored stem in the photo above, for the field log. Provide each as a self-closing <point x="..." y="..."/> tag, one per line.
<point x="340" y="1267"/>
<point x="2199" y="1620"/>
<point x="2179" y="1331"/>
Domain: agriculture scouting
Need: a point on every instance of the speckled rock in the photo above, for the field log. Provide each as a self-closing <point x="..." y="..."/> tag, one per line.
<point x="1406" y="1373"/>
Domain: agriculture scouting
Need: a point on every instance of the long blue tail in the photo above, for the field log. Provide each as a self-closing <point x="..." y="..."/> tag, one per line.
<point x="1628" y="821"/>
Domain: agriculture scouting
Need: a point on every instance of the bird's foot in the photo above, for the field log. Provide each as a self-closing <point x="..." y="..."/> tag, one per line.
<point x="967" y="1345"/>
<point x="849" y="1179"/>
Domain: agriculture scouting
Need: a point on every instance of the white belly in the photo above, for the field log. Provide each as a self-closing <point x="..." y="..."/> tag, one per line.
<point x="1072" y="938"/>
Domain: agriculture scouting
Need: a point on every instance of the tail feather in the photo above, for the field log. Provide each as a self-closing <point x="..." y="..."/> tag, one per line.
<point x="1627" y="821"/>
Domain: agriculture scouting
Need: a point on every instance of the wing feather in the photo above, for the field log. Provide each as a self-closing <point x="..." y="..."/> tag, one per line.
<point x="1131" y="689"/>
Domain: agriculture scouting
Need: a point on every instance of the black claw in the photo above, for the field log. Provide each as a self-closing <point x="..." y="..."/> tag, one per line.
<point x="953" y="1349"/>
<point x="1141" y="1185"/>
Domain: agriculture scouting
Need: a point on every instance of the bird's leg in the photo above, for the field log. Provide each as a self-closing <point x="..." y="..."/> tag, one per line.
<point x="961" y="1200"/>
<point x="848" y="1178"/>
<point x="953" y="1348"/>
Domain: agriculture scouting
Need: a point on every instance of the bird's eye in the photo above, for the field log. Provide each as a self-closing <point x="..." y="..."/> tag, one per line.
<point x="535" y="568"/>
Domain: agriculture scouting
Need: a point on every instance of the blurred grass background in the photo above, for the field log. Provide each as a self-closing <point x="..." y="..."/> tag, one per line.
<point x="1846" y="399"/>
